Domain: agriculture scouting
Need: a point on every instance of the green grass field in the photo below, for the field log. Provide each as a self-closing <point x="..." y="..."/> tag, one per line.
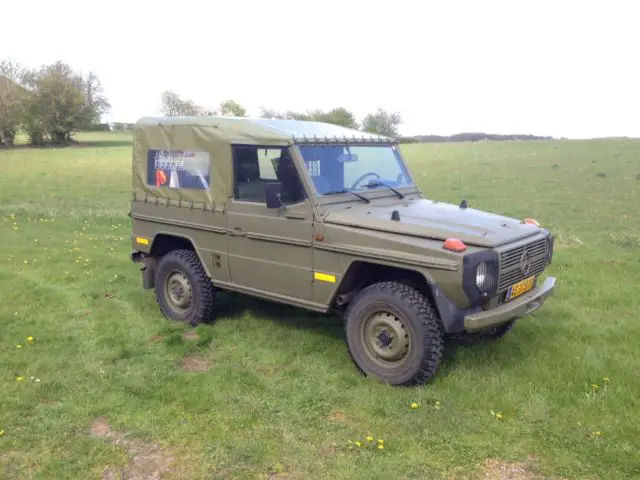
<point x="110" y="389"/>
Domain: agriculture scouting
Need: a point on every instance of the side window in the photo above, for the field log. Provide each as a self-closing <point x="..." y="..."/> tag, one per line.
<point x="178" y="169"/>
<point x="254" y="167"/>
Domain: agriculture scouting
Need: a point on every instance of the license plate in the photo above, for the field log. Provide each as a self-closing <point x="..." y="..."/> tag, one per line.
<point x="519" y="288"/>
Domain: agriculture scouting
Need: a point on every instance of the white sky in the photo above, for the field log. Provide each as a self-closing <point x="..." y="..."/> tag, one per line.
<point x="561" y="68"/>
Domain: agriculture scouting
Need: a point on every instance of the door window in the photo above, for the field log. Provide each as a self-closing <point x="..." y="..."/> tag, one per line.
<point x="254" y="167"/>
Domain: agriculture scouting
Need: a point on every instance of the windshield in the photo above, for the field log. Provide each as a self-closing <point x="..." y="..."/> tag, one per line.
<point x="342" y="168"/>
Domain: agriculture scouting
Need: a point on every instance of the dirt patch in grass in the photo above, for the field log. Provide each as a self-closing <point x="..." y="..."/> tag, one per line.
<point x="338" y="416"/>
<point x="190" y="335"/>
<point x="6" y="456"/>
<point x="148" y="461"/>
<point x="194" y="364"/>
<point x="500" y="470"/>
<point x="157" y="338"/>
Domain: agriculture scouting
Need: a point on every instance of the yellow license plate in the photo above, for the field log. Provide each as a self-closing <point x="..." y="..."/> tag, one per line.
<point x="519" y="288"/>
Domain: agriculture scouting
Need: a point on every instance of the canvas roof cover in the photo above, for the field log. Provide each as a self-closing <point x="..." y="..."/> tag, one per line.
<point x="207" y="140"/>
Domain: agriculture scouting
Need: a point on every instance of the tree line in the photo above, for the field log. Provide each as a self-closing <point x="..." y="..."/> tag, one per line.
<point x="380" y="121"/>
<point x="471" y="137"/>
<point x="48" y="103"/>
<point x="51" y="102"/>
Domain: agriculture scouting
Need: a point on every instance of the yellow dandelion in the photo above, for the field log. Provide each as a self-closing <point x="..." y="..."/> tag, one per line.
<point x="358" y="444"/>
<point x="29" y="339"/>
<point x="26" y="261"/>
<point x="1" y="433"/>
<point x="498" y="415"/>
<point x="19" y="379"/>
<point x="380" y="447"/>
<point x="380" y="441"/>
<point x="369" y="438"/>
<point x="414" y="405"/>
<point x="606" y="380"/>
<point x="594" y="386"/>
<point x="18" y="346"/>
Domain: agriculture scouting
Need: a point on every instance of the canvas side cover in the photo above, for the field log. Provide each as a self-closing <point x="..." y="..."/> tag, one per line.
<point x="182" y="164"/>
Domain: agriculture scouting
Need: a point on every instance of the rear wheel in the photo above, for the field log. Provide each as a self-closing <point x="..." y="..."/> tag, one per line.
<point x="394" y="334"/>
<point x="183" y="290"/>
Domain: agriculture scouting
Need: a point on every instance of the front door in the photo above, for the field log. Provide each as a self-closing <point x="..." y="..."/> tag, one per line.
<point x="270" y="250"/>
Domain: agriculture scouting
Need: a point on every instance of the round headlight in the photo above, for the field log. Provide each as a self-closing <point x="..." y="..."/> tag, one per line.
<point x="483" y="277"/>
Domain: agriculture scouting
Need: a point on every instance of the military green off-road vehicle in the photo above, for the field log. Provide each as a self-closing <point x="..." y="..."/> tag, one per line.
<point x="330" y="220"/>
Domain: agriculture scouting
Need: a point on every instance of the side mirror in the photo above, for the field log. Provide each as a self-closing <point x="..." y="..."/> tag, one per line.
<point x="273" y="192"/>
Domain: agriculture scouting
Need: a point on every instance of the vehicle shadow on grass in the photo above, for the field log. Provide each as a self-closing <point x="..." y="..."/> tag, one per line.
<point x="231" y="306"/>
<point x="235" y="306"/>
<point x="465" y="352"/>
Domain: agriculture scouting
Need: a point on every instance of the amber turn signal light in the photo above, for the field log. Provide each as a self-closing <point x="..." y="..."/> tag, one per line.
<point x="454" y="245"/>
<point x="531" y="221"/>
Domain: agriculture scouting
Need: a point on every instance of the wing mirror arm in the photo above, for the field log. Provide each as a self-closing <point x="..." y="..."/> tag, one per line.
<point x="274" y="195"/>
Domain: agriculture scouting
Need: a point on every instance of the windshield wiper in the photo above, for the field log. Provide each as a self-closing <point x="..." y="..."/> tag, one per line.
<point x="378" y="183"/>
<point x="362" y="197"/>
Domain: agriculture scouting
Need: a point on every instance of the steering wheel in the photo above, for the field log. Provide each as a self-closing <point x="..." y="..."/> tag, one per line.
<point x="362" y="177"/>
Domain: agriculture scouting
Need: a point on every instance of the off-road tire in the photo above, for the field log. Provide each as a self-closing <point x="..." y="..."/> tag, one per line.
<point x="200" y="288"/>
<point x="419" y="320"/>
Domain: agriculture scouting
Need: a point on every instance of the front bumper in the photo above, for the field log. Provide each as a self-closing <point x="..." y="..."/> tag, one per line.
<point x="520" y="307"/>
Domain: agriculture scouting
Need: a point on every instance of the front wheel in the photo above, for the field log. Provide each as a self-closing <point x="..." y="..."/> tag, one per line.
<point x="394" y="334"/>
<point x="183" y="290"/>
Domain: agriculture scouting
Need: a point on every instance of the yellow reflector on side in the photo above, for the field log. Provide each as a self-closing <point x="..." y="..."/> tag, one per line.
<point x="324" y="277"/>
<point x="142" y="241"/>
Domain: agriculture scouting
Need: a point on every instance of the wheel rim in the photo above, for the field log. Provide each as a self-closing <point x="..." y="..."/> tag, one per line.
<point x="385" y="339"/>
<point x="178" y="292"/>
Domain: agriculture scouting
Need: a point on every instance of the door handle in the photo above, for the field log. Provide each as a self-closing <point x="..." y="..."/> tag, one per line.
<point x="237" y="232"/>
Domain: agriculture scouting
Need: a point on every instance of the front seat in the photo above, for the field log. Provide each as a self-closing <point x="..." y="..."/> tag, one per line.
<point x="292" y="191"/>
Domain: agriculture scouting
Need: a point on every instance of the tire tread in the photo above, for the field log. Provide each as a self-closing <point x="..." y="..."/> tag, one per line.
<point x="201" y="284"/>
<point x="429" y="322"/>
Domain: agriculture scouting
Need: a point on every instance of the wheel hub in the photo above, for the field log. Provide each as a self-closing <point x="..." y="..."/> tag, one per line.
<point x="386" y="338"/>
<point x="178" y="289"/>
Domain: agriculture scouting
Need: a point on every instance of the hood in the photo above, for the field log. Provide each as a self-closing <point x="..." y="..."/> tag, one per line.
<point x="435" y="220"/>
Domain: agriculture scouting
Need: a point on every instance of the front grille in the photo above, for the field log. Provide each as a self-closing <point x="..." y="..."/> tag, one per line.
<point x="510" y="263"/>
